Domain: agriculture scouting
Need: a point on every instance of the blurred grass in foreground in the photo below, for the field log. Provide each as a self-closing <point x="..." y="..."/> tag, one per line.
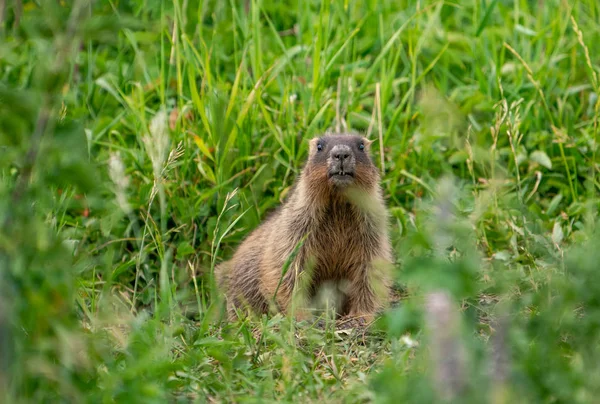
<point x="141" y="141"/>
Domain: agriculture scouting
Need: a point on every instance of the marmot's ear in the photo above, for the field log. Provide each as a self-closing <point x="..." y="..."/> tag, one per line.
<point x="367" y="143"/>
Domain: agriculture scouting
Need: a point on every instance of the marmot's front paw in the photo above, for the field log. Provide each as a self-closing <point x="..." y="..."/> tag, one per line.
<point x="301" y="315"/>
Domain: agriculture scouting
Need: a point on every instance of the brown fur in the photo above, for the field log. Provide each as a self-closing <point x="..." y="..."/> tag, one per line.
<point x="346" y="241"/>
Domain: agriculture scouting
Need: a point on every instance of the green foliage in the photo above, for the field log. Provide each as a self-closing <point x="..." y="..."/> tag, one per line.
<point x="141" y="141"/>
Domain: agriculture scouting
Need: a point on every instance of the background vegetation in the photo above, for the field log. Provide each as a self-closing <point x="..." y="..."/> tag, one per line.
<point x="140" y="141"/>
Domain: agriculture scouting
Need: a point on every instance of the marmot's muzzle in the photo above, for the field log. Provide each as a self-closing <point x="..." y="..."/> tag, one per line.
<point x="342" y="164"/>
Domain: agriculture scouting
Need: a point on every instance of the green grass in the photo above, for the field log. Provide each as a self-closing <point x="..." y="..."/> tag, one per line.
<point x="141" y="141"/>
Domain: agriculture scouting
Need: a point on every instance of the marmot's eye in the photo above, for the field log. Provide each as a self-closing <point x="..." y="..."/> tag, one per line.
<point x="361" y="146"/>
<point x="319" y="146"/>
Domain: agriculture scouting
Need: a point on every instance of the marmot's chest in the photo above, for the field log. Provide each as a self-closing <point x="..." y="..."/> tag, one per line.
<point x="346" y="239"/>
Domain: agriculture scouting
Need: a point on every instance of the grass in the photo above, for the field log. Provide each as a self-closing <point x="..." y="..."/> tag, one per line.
<point x="141" y="141"/>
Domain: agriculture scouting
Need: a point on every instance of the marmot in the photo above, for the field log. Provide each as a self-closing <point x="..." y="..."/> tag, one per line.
<point x="332" y="227"/>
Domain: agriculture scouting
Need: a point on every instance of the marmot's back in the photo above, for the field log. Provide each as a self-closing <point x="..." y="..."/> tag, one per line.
<point x="335" y="221"/>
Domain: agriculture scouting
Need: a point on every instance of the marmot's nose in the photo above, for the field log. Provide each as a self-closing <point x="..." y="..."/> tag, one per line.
<point x="341" y="152"/>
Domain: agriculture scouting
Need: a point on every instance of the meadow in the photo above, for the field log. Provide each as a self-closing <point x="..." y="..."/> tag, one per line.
<point x="142" y="140"/>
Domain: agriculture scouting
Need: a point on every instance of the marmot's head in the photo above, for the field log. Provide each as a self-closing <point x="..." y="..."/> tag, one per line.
<point x="343" y="161"/>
